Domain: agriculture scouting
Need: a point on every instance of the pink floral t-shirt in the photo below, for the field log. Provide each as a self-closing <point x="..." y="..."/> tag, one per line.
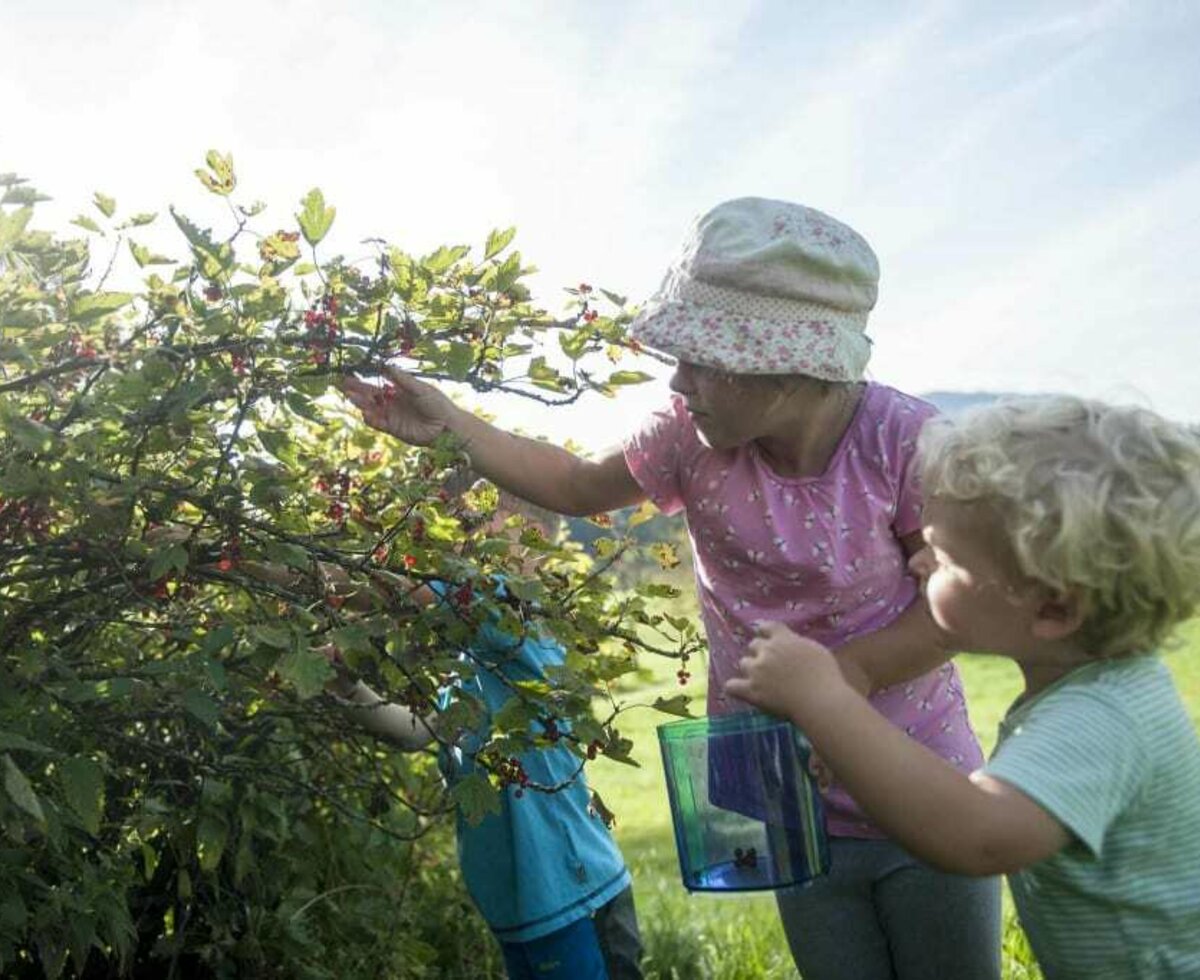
<point x="820" y="554"/>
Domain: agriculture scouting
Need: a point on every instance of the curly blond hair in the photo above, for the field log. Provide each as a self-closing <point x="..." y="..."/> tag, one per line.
<point x="1094" y="500"/>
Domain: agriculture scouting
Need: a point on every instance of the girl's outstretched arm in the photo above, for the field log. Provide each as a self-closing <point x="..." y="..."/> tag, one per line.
<point x="537" y="471"/>
<point x="975" y="825"/>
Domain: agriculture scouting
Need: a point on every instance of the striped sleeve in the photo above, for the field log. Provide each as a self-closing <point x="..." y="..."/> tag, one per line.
<point x="1080" y="758"/>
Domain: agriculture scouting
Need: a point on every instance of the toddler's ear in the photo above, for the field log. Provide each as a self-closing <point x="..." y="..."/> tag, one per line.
<point x="1058" y="616"/>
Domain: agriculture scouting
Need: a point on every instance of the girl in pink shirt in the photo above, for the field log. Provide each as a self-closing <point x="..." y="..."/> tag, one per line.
<point x="796" y="481"/>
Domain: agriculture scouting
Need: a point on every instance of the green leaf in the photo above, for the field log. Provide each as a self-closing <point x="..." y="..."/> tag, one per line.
<point x="498" y="241"/>
<point x="279" y="637"/>
<point x="665" y="554"/>
<point x="217" y="639"/>
<point x="460" y="358"/>
<point x="658" y="590"/>
<point x="444" y="257"/>
<point x="83" y="221"/>
<point x="315" y="219"/>
<point x="83" y="787"/>
<point x="306" y="670"/>
<point x="677" y="705"/>
<point x="302" y="406"/>
<point x="105" y="204"/>
<point x="12" y="226"/>
<point x="352" y="639"/>
<point x="574" y="343"/>
<point x="615" y="298"/>
<point x="163" y="560"/>
<point x="200" y="238"/>
<point x="20" y="792"/>
<point x="475" y="797"/>
<point x="22" y="195"/>
<point x="645" y="512"/>
<point x="278" y="444"/>
<point x="212" y="833"/>
<point x="291" y="555"/>
<point x="11" y="740"/>
<point x="525" y="589"/>
<point x="629" y="378"/>
<point x="219" y="177"/>
<point x="34" y="436"/>
<point x="86" y="307"/>
<point x="514" y="716"/>
<point x="144" y="257"/>
<point x="200" y="706"/>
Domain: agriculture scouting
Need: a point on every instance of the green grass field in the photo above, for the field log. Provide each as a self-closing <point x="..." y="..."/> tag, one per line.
<point x="706" y="937"/>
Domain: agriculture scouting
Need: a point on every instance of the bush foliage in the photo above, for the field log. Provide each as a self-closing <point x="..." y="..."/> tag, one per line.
<point x="178" y="799"/>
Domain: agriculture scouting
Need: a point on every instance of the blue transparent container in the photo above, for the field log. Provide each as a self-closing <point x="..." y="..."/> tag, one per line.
<point x="747" y="814"/>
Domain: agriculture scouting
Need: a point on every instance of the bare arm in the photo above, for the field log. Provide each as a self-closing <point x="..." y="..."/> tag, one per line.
<point x="911" y="645"/>
<point x="975" y="825"/>
<point x="538" y="471"/>
<point x="384" y="590"/>
<point x="387" y="720"/>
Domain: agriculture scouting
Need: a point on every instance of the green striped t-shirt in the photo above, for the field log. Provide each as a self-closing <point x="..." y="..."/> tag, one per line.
<point x="1110" y="753"/>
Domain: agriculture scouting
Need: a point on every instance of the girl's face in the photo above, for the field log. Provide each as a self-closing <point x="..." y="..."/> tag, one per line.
<point x="983" y="605"/>
<point x="728" y="411"/>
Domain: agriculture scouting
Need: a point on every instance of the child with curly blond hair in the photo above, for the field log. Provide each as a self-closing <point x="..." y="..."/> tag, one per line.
<point x="1065" y="535"/>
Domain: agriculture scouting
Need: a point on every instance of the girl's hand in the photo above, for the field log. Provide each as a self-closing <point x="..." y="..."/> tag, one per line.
<point x="403" y="406"/>
<point x="783" y="673"/>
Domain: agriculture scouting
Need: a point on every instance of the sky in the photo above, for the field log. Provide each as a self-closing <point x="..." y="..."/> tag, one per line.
<point x="1028" y="172"/>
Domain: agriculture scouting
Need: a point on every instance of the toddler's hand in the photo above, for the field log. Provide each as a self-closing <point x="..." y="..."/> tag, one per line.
<point x="782" y="672"/>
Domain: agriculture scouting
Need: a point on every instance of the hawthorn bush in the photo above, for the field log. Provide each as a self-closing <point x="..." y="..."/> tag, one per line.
<point x="178" y="798"/>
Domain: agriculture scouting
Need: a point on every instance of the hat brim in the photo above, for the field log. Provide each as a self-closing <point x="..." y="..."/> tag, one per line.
<point x="831" y="347"/>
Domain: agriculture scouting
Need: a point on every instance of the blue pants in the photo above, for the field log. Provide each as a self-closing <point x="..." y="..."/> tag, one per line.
<point x="881" y="914"/>
<point x="603" y="946"/>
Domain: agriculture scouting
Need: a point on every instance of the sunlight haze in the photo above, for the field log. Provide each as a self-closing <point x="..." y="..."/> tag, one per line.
<point x="1029" y="173"/>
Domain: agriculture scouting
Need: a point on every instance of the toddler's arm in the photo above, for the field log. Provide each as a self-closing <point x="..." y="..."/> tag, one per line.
<point x="537" y="471"/>
<point x="975" y="825"/>
<point x="909" y="646"/>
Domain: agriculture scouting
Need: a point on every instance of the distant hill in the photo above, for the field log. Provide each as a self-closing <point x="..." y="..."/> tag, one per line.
<point x="951" y="402"/>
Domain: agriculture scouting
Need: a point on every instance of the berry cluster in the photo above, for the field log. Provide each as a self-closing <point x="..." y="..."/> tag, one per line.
<point x="550" y="730"/>
<point x="594" y="747"/>
<point x="24" y="519"/>
<point x="510" y="772"/>
<point x="336" y="486"/>
<point x="73" y="347"/>
<point x="683" y="673"/>
<point x="323" y="329"/>
<point x="231" y="554"/>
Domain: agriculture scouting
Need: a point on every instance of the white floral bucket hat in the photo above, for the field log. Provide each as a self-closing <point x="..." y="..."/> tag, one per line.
<point x="766" y="287"/>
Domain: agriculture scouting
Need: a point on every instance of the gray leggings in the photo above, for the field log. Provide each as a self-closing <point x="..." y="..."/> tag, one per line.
<point x="881" y="914"/>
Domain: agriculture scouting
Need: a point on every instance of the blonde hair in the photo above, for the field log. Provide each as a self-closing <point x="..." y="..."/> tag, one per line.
<point x="1094" y="500"/>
